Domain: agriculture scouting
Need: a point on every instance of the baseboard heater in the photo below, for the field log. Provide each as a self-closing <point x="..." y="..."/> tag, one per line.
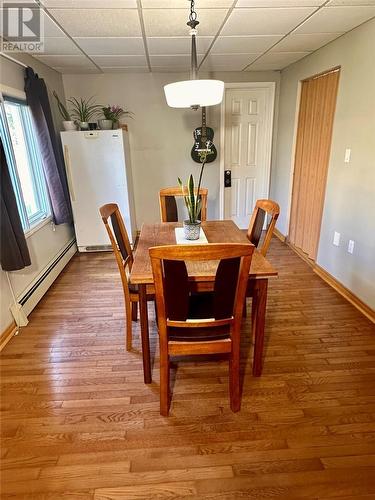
<point x="32" y="296"/>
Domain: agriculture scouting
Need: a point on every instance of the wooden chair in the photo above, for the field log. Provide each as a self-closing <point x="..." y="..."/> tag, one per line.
<point x="254" y="232"/>
<point x="187" y="328"/>
<point x="124" y="258"/>
<point x="168" y="205"/>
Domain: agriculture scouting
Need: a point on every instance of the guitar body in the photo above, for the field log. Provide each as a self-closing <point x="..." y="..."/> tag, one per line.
<point x="203" y="137"/>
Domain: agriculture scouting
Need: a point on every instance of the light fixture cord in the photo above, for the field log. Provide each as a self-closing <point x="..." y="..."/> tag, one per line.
<point x="193" y="23"/>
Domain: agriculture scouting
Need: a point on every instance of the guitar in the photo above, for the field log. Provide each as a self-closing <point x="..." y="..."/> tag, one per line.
<point x="203" y="137"/>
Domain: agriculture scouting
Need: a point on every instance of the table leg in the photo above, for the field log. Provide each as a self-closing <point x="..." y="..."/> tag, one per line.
<point x="144" y="334"/>
<point x="258" y="317"/>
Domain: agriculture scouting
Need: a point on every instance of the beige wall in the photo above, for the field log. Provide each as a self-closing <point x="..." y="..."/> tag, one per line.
<point x="350" y="195"/>
<point x="160" y="137"/>
<point x="46" y="243"/>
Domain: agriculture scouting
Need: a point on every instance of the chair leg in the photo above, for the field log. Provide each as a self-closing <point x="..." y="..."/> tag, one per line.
<point x="128" y="310"/>
<point x="164" y="380"/>
<point x="134" y="311"/>
<point x="234" y="376"/>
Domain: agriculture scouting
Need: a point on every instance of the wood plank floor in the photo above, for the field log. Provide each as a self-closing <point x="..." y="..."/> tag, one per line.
<point x="78" y="422"/>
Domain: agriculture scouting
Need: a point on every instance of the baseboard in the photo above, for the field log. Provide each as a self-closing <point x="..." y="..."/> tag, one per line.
<point x="279" y="235"/>
<point x="346" y="293"/>
<point x="335" y="284"/>
<point x="7" y="334"/>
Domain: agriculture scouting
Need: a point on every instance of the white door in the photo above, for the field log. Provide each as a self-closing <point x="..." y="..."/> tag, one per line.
<point x="247" y="149"/>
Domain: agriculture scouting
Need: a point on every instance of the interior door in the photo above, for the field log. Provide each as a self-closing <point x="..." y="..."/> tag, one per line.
<point x="313" y="145"/>
<point x="247" y="148"/>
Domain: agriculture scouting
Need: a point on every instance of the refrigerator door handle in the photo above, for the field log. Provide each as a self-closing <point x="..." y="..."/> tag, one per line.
<point x="69" y="173"/>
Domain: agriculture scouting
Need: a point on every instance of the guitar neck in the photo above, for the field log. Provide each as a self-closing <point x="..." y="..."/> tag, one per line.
<point x="204" y="134"/>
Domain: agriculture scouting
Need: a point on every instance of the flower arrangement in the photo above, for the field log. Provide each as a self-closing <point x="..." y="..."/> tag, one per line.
<point x="114" y="113"/>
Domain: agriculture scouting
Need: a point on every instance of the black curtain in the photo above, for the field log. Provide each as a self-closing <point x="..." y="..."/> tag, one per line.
<point x="14" y="252"/>
<point x="37" y="100"/>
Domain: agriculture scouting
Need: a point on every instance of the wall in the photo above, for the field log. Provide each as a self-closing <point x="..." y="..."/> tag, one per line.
<point x="45" y="243"/>
<point x="349" y="202"/>
<point x="160" y="137"/>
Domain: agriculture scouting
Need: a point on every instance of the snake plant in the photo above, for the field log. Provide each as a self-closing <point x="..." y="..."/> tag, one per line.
<point x="83" y="110"/>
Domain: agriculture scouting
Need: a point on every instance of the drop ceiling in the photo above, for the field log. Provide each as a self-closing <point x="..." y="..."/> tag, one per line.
<point x="95" y="36"/>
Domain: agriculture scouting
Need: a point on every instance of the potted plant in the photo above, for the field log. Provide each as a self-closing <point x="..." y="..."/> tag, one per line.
<point x="83" y="110"/>
<point x="112" y="115"/>
<point x="193" y="201"/>
<point x="68" y="123"/>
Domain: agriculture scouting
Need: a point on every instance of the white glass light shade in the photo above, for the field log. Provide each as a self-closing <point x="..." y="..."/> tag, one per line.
<point x="194" y="93"/>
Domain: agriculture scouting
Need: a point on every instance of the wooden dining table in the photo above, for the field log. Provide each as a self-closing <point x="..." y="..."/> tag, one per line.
<point x="201" y="278"/>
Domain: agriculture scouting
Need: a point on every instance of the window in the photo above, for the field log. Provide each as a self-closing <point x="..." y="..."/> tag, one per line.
<point x="24" y="162"/>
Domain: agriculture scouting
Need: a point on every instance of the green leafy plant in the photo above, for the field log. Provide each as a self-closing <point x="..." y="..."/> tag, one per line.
<point x="63" y="111"/>
<point x="84" y="109"/>
<point x="114" y="113"/>
<point x="192" y="198"/>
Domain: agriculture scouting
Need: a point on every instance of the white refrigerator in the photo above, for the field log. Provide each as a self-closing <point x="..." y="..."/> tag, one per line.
<point x="99" y="171"/>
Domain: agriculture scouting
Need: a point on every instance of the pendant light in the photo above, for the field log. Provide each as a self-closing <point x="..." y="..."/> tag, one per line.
<point x="194" y="93"/>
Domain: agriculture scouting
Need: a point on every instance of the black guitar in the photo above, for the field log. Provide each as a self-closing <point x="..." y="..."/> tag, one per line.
<point x="203" y="137"/>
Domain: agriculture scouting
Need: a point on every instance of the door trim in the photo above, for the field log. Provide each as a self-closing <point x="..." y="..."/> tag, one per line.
<point x="270" y="86"/>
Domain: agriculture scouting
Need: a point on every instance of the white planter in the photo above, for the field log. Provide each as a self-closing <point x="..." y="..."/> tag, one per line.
<point x="105" y="124"/>
<point x="192" y="230"/>
<point x="69" y="125"/>
<point x="84" y="125"/>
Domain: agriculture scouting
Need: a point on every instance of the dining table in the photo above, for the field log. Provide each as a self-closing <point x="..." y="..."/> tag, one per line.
<point x="201" y="278"/>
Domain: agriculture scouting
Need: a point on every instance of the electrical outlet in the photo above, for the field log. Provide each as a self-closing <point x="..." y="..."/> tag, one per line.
<point x="336" y="239"/>
<point x="351" y="246"/>
<point x="348" y="152"/>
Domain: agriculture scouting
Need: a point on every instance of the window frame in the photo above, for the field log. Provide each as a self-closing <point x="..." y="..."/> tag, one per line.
<point x="39" y="186"/>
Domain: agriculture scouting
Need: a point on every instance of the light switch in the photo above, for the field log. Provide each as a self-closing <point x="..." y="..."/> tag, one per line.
<point x="336" y="239"/>
<point x="347" y="155"/>
<point x="351" y="246"/>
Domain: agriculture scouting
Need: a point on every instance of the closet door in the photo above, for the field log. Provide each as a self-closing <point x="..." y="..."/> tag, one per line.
<point x="313" y="144"/>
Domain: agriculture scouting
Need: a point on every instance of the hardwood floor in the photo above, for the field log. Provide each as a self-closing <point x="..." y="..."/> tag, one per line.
<point x="79" y="423"/>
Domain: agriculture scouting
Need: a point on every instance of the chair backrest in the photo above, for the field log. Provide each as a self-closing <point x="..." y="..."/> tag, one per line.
<point x="171" y="281"/>
<point x="254" y="232"/>
<point x="119" y="239"/>
<point x="168" y="205"/>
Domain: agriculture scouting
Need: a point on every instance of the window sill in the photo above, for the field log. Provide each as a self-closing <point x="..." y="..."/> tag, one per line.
<point x="38" y="226"/>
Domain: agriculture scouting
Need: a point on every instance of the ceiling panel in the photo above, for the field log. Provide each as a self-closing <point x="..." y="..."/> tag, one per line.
<point x="69" y="61"/>
<point x="99" y="22"/>
<point x="90" y="4"/>
<point x="112" y="61"/>
<point x="264" y="21"/>
<point x="279" y="3"/>
<point x="248" y="44"/>
<point x="333" y="3"/>
<point x="125" y="69"/>
<point x="336" y="19"/>
<point x="228" y="62"/>
<point x="172" y="22"/>
<point x="112" y="46"/>
<point x="276" y="60"/>
<point x="182" y="4"/>
<point x="177" y="45"/>
<point x="73" y="70"/>
<point x="60" y="46"/>
<point x="50" y="28"/>
<point x="301" y="43"/>
<point x="182" y="61"/>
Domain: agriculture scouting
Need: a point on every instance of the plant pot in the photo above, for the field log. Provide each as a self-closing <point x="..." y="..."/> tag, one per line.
<point x="69" y="125"/>
<point x="192" y="230"/>
<point x="106" y="124"/>
<point x="84" y="125"/>
<point x="116" y="125"/>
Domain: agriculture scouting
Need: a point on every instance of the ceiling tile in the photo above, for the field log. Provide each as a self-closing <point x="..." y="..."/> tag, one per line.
<point x="264" y="21"/>
<point x="113" y="61"/>
<point x="99" y="22"/>
<point x="60" y="46"/>
<point x="72" y="70"/>
<point x="336" y="19"/>
<point x="125" y="69"/>
<point x="90" y="4"/>
<point x="276" y="60"/>
<point x="177" y="45"/>
<point x="279" y="3"/>
<point x="178" y="4"/>
<point x="61" y="61"/>
<point x="228" y="62"/>
<point x="172" y="22"/>
<point x="238" y="44"/>
<point x="170" y="69"/>
<point x="182" y="61"/>
<point x="112" y="46"/>
<point x="333" y="3"/>
<point x="301" y="43"/>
